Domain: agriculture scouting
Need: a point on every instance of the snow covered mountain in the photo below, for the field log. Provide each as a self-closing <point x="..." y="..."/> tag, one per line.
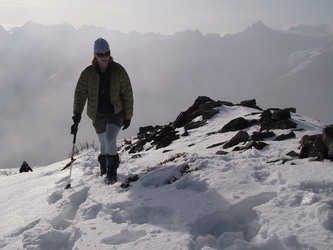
<point x="191" y="193"/>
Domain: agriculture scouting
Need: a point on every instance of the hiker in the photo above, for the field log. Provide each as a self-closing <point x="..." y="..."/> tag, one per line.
<point x="107" y="87"/>
<point x="25" y="167"/>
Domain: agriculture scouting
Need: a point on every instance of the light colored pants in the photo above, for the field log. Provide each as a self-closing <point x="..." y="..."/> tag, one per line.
<point x="108" y="139"/>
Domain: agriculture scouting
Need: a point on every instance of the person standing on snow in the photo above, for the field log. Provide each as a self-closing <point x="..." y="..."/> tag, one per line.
<point x="25" y="167"/>
<point x="107" y="87"/>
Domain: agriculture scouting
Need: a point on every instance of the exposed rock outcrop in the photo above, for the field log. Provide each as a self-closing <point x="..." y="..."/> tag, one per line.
<point x="279" y="119"/>
<point x="237" y="124"/>
<point x="320" y="146"/>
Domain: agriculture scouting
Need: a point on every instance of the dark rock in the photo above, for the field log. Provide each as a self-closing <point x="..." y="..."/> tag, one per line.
<point x="308" y="151"/>
<point x="292" y="110"/>
<point x="279" y="119"/>
<point x="225" y="103"/>
<point x="282" y="114"/>
<point x="130" y="179"/>
<point x="241" y="136"/>
<point x="266" y="118"/>
<point x="283" y="124"/>
<point x="258" y="136"/>
<point x="147" y="129"/>
<point x="285" y="136"/>
<point x="158" y="135"/>
<point x="216" y="145"/>
<point x="209" y="113"/>
<point x="237" y="124"/>
<point x="138" y="147"/>
<point x="308" y="148"/>
<point x="166" y="136"/>
<point x="221" y="152"/>
<point x="203" y="105"/>
<point x="327" y="137"/>
<point x="186" y="133"/>
<point x="201" y="100"/>
<point x="250" y="103"/>
<point x="260" y="145"/>
<point x="211" y="133"/>
<point x="194" y="125"/>
<point x="292" y="154"/>
<point x="250" y="144"/>
<point x="181" y="120"/>
<point x="136" y="156"/>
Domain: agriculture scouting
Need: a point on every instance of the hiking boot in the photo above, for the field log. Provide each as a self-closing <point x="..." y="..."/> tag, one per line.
<point x="102" y="164"/>
<point x="111" y="170"/>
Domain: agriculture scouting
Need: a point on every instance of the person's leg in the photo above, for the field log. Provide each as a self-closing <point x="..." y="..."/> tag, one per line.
<point x="102" y="142"/>
<point x="102" y="157"/>
<point x="112" y="132"/>
<point x="100" y="127"/>
<point x="112" y="156"/>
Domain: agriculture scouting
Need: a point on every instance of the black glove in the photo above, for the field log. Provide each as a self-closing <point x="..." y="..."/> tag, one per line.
<point x="74" y="128"/>
<point x="126" y="124"/>
<point x="76" y="118"/>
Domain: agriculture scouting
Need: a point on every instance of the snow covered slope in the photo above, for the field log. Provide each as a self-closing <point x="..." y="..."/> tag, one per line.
<point x="186" y="197"/>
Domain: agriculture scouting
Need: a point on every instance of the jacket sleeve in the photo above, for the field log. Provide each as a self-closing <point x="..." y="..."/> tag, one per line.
<point x="126" y="94"/>
<point x="80" y="94"/>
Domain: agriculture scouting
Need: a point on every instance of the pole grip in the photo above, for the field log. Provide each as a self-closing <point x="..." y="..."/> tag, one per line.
<point x="74" y="141"/>
<point x="74" y="138"/>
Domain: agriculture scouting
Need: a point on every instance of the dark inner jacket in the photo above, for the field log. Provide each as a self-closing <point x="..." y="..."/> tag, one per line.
<point x="104" y="103"/>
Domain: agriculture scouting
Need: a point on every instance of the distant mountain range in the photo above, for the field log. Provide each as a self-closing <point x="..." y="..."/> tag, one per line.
<point x="40" y="66"/>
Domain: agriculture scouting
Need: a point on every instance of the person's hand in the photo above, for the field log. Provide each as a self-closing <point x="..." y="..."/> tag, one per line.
<point x="126" y="124"/>
<point x="74" y="128"/>
<point x="76" y="118"/>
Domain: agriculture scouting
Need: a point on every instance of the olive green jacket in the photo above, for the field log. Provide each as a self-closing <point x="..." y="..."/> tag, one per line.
<point x="121" y="94"/>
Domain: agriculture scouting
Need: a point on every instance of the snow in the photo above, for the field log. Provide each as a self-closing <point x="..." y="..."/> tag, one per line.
<point x="301" y="59"/>
<point x="186" y="197"/>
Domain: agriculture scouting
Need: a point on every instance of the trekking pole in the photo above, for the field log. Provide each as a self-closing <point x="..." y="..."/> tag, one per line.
<point x="70" y="163"/>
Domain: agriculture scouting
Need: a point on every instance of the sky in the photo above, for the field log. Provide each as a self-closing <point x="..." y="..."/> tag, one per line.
<point x="167" y="17"/>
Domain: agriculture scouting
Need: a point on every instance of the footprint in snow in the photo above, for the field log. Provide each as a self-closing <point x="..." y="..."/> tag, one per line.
<point x="45" y="237"/>
<point x="324" y="215"/>
<point x="125" y="236"/>
<point x="69" y="210"/>
<point x="54" y="197"/>
<point x="188" y="184"/>
<point x="239" y="221"/>
<point x="90" y="212"/>
<point x="123" y="213"/>
<point x="62" y="180"/>
<point x="26" y="228"/>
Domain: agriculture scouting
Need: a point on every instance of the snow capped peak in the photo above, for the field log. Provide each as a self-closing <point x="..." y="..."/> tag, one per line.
<point x="259" y="25"/>
<point x="192" y="193"/>
<point x="258" y="28"/>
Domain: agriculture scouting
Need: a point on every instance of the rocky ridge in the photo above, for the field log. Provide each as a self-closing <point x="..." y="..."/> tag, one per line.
<point x="319" y="145"/>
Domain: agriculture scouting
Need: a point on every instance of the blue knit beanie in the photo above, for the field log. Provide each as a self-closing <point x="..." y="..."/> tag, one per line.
<point x="101" y="45"/>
